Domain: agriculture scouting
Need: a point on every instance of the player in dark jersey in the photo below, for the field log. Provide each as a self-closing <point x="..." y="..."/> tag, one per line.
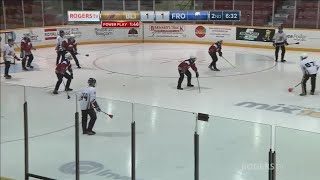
<point x="183" y="69"/>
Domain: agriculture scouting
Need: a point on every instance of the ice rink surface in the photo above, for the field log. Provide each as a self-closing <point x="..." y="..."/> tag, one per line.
<point x="244" y="101"/>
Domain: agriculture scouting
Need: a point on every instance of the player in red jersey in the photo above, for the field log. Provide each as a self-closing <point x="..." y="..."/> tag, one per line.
<point x="71" y="47"/>
<point x="183" y="68"/>
<point x="61" y="71"/>
<point x="214" y="48"/>
<point x="26" y="54"/>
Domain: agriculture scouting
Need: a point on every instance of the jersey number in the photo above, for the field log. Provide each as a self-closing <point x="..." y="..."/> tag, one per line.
<point x="84" y="96"/>
<point x="309" y="65"/>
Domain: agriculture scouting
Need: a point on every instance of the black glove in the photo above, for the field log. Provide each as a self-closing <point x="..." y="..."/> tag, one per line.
<point x="98" y="109"/>
<point x="71" y="75"/>
<point x="197" y="74"/>
<point x="220" y="53"/>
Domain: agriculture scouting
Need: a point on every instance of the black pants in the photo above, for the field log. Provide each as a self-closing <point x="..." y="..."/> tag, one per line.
<point x="60" y="77"/>
<point x="181" y="73"/>
<point x="60" y="55"/>
<point x="74" y="58"/>
<point x="7" y="67"/>
<point x="305" y="80"/>
<point x="214" y="61"/>
<point x="283" y="50"/>
<point x="30" y="59"/>
<point x="93" y="118"/>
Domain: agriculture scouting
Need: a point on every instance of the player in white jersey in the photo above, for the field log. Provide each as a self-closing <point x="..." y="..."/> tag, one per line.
<point x="309" y="69"/>
<point x="87" y="104"/>
<point x="8" y="56"/>
<point x="279" y="41"/>
<point x="60" y="49"/>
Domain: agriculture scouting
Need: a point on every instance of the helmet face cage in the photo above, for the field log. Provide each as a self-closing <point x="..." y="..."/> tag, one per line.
<point x="92" y="82"/>
<point x="68" y="56"/>
<point x="304" y="56"/>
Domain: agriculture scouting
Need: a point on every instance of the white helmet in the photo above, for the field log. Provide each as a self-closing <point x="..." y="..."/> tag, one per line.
<point x="193" y="58"/>
<point x="68" y="56"/>
<point x="304" y="56"/>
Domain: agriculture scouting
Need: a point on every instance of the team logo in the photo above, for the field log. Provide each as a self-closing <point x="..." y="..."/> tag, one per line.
<point x="133" y="32"/>
<point x="200" y="31"/>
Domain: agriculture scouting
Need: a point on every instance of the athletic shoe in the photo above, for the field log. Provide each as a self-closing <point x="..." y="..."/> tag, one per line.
<point x="7" y="76"/>
<point x="91" y="133"/>
<point x="303" y="94"/>
<point x="55" y="92"/>
<point x="68" y="89"/>
<point x="25" y="69"/>
<point x="312" y="93"/>
<point x="180" y="88"/>
<point x="283" y="60"/>
<point x="190" y="85"/>
<point x="216" y="69"/>
<point x="29" y="66"/>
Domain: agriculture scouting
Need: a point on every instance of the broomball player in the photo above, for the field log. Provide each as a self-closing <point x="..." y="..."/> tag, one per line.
<point x="61" y="72"/>
<point x="213" y="50"/>
<point x="26" y="54"/>
<point x="71" y="47"/>
<point x="60" y="47"/>
<point x="183" y="69"/>
<point x="88" y="103"/>
<point x="280" y="41"/>
<point x="8" y="57"/>
<point x="310" y="70"/>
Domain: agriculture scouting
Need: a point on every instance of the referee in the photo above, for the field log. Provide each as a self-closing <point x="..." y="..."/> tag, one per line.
<point x="279" y="41"/>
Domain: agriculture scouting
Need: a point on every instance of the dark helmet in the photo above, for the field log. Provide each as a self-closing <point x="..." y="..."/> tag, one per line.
<point x="61" y="31"/>
<point x="92" y="82"/>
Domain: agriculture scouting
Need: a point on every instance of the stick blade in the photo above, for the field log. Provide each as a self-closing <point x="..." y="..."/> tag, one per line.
<point x="111" y="116"/>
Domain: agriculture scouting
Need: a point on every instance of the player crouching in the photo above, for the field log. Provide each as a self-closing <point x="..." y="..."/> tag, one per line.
<point x="309" y="70"/>
<point x="183" y="68"/>
<point x="88" y="104"/>
<point x="61" y="71"/>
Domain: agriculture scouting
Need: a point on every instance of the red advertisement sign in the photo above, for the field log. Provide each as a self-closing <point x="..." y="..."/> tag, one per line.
<point x="120" y="24"/>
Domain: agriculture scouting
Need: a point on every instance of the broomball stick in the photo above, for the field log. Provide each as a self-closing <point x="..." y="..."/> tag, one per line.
<point x="291" y="89"/>
<point x="110" y="115"/>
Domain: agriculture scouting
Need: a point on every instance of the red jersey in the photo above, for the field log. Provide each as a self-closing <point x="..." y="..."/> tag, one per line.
<point x="63" y="67"/>
<point x="186" y="64"/>
<point x="71" y="45"/>
<point x="26" y="45"/>
<point x="214" y="48"/>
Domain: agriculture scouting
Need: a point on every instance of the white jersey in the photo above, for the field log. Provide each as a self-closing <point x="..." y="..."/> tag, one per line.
<point x="59" y="43"/>
<point x="309" y="66"/>
<point x="280" y="37"/>
<point x="8" y="53"/>
<point x="87" y="98"/>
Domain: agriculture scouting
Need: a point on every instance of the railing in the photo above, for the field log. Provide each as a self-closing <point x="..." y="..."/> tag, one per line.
<point x="143" y="142"/>
<point x="38" y="13"/>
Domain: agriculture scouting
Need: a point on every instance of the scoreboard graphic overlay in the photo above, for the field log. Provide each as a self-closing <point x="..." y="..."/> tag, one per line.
<point x="132" y="19"/>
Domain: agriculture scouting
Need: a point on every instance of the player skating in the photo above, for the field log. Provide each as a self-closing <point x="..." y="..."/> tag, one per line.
<point x="183" y="69"/>
<point x="8" y="57"/>
<point x="61" y="71"/>
<point x="71" y="47"/>
<point x="309" y="70"/>
<point x="213" y="50"/>
<point x="60" y="46"/>
<point x="26" y="53"/>
<point x="280" y="41"/>
<point x="88" y="103"/>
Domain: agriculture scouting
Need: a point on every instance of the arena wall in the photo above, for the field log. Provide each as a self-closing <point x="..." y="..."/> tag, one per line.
<point x="255" y="37"/>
